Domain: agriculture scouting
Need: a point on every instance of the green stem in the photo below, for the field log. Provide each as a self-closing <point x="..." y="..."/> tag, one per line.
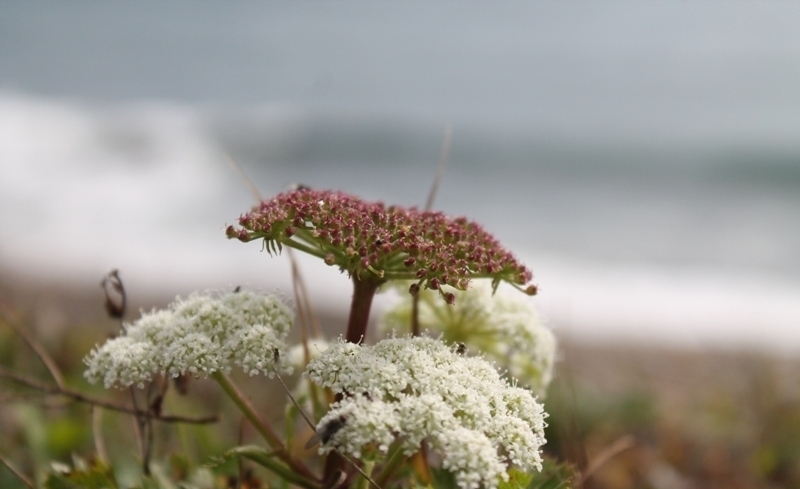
<point x="304" y="247"/>
<point x="363" y="483"/>
<point x="395" y="458"/>
<point x="287" y="475"/>
<point x="263" y="428"/>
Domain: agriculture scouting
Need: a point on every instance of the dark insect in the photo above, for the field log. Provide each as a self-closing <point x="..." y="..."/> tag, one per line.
<point x="461" y="349"/>
<point x="325" y="433"/>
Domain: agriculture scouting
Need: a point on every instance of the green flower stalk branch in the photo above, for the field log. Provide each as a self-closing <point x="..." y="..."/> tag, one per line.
<point x="301" y="474"/>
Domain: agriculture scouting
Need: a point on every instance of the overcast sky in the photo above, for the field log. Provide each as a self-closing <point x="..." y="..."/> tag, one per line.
<point x="663" y="71"/>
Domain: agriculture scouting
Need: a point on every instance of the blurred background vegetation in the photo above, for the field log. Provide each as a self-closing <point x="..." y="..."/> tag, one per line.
<point x="631" y="417"/>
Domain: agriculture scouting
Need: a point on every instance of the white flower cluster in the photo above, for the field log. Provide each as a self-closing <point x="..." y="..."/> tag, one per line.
<point x="204" y="334"/>
<point x="411" y="389"/>
<point x="504" y="326"/>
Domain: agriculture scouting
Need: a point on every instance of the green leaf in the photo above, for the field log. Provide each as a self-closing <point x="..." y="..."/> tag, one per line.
<point x="443" y="479"/>
<point x="64" y="434"/>
<point x="264" y="458"/>
<point x="179" y="467"/>
<point x="251" y="452"/>
<point x="517" y="479"/>
<point x="554" y="475"/>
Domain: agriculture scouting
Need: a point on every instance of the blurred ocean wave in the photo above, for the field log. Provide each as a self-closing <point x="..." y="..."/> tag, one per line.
<point x="691" y="246"/>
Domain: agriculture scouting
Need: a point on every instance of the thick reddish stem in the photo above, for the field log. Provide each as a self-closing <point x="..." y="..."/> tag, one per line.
<point x="363" y="292"/>
<point x="415" y="316"/>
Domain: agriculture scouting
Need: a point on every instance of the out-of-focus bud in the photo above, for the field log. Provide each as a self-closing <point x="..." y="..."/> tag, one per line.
<point x="115" y="294"/>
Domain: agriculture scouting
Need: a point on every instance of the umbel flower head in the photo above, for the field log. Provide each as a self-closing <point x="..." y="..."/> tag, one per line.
<point x="409" y="389"/>
<point x="203" y="334"/>
<point x="372" y="241"/>
<point x="504" y="326"/>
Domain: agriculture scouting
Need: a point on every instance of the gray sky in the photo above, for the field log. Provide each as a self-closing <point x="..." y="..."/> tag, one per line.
<point x="670" y="72"/>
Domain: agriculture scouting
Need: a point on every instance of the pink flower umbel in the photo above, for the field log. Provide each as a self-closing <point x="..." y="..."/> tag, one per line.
<point x="376" y="243"/>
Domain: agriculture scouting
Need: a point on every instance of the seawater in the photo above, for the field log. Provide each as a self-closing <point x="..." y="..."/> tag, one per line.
<point x="693" y="248"/>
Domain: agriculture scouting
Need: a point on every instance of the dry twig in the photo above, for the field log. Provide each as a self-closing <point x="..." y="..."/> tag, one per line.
<point x="14" y="470"/>
<point x="611" y="451"/>
<point x="13" y="323"/>
<point x="445" y="154"/>
<point x="94" y="401"/>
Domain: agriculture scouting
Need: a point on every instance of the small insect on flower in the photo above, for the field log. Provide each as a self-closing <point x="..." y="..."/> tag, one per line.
<point x="461" y="349"/>
<point x="325" y="433"/>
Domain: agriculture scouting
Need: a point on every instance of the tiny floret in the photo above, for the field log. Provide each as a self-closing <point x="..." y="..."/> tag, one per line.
<point x="372" y="241"/>
<point x="503" y="325"/>
<point x="413" y="389"/>
<point x="202" y="334"/>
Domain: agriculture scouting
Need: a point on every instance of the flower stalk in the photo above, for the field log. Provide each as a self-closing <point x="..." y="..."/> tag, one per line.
<point x="264" y="429"/>
<point x="363" y="292"/>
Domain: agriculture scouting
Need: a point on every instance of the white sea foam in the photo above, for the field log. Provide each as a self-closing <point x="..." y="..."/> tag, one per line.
<point x="697" y="308"/>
